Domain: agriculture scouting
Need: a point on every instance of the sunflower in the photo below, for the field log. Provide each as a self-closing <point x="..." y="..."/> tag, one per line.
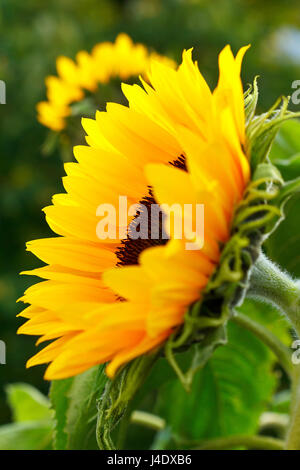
<point x="109" y="301"/>
<point x="122" y="59"/>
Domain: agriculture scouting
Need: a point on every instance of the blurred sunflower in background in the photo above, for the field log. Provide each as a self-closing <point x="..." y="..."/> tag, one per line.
<point x="177" y="142"/>
<point x="85" y="81"/>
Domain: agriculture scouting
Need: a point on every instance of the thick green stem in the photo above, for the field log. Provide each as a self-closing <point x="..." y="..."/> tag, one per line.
<point x="279" y="349"/>
<point x="293" y="434"/>
<point x="250" y="442"/>
<point x="270" y="284"/>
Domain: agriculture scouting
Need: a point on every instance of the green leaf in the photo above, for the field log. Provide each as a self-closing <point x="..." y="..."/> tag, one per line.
<point x="60" y="402"/>
<point x="30" y="435"/>
<point x="27" y="403"/>
<point x="83" y="394"/>
<point x="286" y="148"/>
<point x="199" y="352"/>
<point x="285" y="152"/>
<point x="289" y="167"/>
<point x="224" y="399"/>
<point x="268" y="316"/>
<point x="33" y="427"/>
<point x="74" y="401"/>
<point x="283" y="245"/>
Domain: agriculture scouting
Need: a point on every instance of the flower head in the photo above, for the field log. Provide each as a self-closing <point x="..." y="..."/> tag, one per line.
<point x="176" y="143"/>
<point x="122" y="59"/>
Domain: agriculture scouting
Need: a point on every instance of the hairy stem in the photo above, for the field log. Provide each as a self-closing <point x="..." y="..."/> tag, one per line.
<point x="277" y="347"/>
<point x="268" y="283"/>
<point x="293" y="434"/>
<point x="271" y="285"/>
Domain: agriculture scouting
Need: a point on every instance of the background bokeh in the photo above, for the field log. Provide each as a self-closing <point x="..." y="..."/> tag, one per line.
<point x="34" y="33"/>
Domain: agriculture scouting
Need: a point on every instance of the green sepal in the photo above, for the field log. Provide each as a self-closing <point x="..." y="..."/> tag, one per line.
<point x="118" y="393"/>
<point x="287" y="191"/>
<point x="202" y="351"/>
<point x="267" y="172"/>
<point x="261" y="130"/>
<point x="250" y="101"/>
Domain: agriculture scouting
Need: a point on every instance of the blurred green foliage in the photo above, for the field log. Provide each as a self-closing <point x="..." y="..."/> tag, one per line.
<point x="34" y="33"/>
<point x="32" y="426"/>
